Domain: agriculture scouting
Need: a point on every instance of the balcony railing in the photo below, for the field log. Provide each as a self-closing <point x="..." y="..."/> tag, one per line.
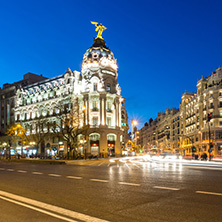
<point x="95" y="109"/>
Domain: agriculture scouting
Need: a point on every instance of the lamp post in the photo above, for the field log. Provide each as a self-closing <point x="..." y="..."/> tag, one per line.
<point x="84" y="124"/>
<point x="133" y="123"/>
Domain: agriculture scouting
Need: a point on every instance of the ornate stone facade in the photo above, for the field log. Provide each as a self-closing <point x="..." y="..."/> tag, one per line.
<point x="94" y="94"/>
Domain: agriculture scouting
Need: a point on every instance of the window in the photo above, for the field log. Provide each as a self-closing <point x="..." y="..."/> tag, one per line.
<point x="108" y="87"/>
<point x="95" y="121"/>
<point x="109" y="107"/>
<point x="94" y="87"/>
<point x="109" y="121"/>
<point x="95" y="106"/>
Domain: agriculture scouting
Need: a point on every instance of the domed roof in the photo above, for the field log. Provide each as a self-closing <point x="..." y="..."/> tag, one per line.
<point x="97" y="51"/>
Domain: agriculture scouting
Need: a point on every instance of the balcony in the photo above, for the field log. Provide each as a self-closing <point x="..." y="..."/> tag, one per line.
<point x="109" y="110"/>
<point x="95" y="109"/>
<point x="217" y="116"/>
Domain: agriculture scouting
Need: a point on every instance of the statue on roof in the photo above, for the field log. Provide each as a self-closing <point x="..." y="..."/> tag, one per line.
<point x="99" y="28"/>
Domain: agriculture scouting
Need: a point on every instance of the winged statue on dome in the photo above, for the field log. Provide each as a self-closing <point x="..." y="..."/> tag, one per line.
<point x="99" y="28"/>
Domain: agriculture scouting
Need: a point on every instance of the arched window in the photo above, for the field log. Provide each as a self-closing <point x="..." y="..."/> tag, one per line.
<point x="94" y="87"/>
<point x="108" y="87"/>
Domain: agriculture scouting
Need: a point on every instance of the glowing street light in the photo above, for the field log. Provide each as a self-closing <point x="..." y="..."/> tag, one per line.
<point x="133" y="123"/>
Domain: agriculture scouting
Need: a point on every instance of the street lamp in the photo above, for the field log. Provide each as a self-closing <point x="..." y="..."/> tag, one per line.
<point x="133" y="123"/>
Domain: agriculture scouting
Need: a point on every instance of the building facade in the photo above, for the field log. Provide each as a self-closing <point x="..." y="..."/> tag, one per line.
<point x="91" y="97"/>
<point x="187" y="127"/>
<point x="196" y="130"/>
<point x="161" y="134"/>
<point x="7" y="104"/>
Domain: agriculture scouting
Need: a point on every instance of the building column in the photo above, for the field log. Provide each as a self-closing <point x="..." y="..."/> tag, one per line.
<point x="103" y="145"/>
<point x="120" y="114"/>
<point x="105" y="111"/>
<point x="87" y="148"/>
<point x="118" y="152"/>
<point x="87" y="108"/>
<point x="86" y="111"/>
<point x="117" y="112"/>
<point x="102" y="110"/>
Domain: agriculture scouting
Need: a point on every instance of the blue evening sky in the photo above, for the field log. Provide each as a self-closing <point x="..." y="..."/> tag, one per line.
<point x="162" y="47"/>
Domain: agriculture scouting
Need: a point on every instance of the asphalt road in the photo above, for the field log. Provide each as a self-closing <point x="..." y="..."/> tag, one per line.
<point x="103" y="191"/>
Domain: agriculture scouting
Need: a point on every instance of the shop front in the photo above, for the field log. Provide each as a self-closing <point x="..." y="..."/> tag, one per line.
<point x="94" y="144"/>
<point x="111" y="142"/>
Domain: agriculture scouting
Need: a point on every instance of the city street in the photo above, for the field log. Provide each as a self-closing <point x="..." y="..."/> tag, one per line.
<point x="100" y="190"/>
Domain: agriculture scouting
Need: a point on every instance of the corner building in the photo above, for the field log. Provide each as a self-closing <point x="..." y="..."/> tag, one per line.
<point x="98" y="101"/>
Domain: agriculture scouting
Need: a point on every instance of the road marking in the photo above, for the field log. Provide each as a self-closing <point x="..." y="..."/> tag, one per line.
<point x="101" y="163"/>
<point x="211" y="193"/>
<point x="91" y="164"/>
<point x="37" y="173"/>
<point x="130" y="184"/>
<point x="136" y="166"/>
<point x="97" y="180"/>
<point x="72" y="177"/>
<point x="21" y="171"/>
<point x="166" y="188"/>
<point x="54" y="175"/>
<point x="2" y="168"/>
<point x="208" y="168"/>
<point x="10" y="170"/>
<point x="52" y="208"/>
<point x="37" y="209"/>
<point x="127" y="165"/>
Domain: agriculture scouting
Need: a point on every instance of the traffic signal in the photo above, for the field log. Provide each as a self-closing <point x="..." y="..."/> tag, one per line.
<point x="193" y="149"/>
<point x="211" y="145"/>
<point x="209" y="117"/>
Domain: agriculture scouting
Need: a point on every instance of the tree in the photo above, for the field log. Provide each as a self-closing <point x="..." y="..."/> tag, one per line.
<point x="17" y="134"/>
<point x="68" y="124"/>
<point x="39" y="136"/>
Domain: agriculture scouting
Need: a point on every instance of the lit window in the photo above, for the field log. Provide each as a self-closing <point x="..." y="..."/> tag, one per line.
<point x="108" y="87"/>
<point x="95" y="121"/>
<point x="94" y="87"/>
<point x="108" y="121"/>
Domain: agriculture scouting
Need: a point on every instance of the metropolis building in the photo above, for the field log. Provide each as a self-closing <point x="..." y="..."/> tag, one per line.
<point x="93" y="95"/>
